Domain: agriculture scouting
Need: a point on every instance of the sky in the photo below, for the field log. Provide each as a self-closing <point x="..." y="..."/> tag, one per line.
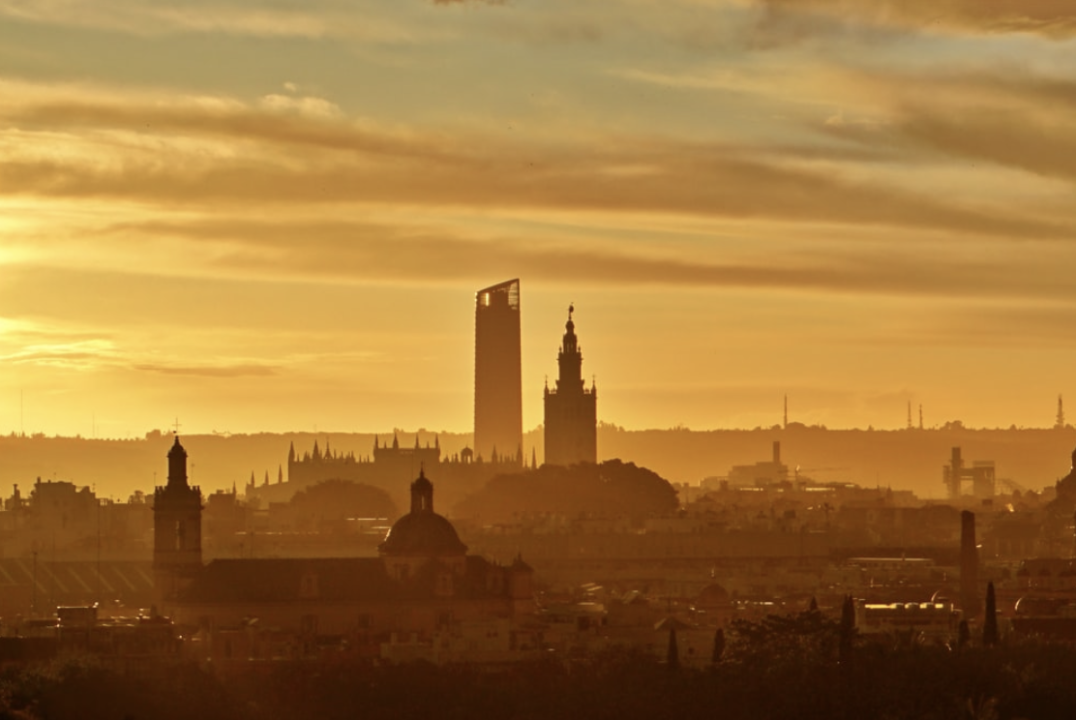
<point x="269" y="216"/>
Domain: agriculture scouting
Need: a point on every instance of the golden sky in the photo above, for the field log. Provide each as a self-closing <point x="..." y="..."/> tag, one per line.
<point x="274" y="215"/>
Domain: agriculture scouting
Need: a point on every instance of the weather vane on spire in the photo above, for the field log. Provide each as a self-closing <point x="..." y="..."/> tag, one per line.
<point x="571" y="309"/>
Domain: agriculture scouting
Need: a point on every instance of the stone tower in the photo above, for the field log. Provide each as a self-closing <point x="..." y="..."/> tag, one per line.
<point x="571" y="409"/>
<point x="177" y="530"/>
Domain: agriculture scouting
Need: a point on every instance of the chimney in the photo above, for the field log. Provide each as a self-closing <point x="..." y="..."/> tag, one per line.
<point x="777" y="452"/>
<point x="969" y="562"/>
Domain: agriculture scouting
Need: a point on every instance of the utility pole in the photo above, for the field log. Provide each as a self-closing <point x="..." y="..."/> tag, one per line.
<point x="33" y="588"/>
<point x="98" y="552"/>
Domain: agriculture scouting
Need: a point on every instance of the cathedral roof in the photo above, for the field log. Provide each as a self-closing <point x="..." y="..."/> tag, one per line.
<point x="281" y="579"/>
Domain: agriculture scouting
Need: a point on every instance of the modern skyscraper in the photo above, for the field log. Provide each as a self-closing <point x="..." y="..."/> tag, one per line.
<point x="498" y="393"/>
<point x="571" y="410"/>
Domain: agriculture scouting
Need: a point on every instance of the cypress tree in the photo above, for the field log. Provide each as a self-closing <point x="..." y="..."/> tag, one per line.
<point x="990" y="624"/>
<point x="719" y="645"/>
<point x="847" y="630"/>
<point x="963" y="635"/>
<point x="674" y="651"/>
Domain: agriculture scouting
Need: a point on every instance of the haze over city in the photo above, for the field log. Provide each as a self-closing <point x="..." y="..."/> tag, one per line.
<point x="274" y="218"/>
<point x="514" y="359"/>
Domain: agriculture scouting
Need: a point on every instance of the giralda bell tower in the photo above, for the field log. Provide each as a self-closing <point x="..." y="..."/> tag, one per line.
<point x="571" y="409"/>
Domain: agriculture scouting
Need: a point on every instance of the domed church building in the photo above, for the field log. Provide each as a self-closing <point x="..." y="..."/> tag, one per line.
<point x="422" y="537"/>
<point x="423" y="588"/>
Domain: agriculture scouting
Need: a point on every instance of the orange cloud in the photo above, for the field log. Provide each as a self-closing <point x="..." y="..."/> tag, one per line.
<point x="1050" y="18"/>
<point x="272" y="158"/>
<point x="221" y="371"/>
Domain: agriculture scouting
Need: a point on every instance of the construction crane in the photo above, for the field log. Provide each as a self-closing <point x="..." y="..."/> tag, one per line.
<point x="1013" y="485"/>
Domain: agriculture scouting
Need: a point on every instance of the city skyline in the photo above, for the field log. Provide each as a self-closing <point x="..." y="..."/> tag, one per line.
<point x="274" y="218"/>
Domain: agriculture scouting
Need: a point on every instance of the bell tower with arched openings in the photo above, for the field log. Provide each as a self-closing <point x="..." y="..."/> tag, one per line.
<point x="571" y="408"/>
<point x="177" y="529"/>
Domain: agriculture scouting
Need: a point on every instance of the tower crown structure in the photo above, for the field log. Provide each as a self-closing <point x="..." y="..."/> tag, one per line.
<point x="570" y="358"/>
<point x="422" y="493"/>
<point x="177" y="467"/>
<point x="571" y="409"/>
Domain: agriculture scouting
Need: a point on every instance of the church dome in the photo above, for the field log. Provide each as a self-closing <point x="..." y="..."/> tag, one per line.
<point x="422" y="531"/>
<point x="712" y="594"/>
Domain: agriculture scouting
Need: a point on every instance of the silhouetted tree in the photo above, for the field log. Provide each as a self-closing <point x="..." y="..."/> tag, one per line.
<point x="990" y="624"/>
<point x="333" y="501"/>
<point x="814" y="604"/>
<point x="778" y="639"/>
<point x="610" y="489"/>
<point x="847" y="630"/>
<point x="674" y="651"/>
<point x="719" y="645"/>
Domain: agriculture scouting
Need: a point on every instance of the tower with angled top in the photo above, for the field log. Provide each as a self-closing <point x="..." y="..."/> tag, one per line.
<point x="498" y="394"/>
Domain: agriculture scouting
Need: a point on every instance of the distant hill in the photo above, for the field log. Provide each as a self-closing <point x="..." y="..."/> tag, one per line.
<point x="905" y="459"/>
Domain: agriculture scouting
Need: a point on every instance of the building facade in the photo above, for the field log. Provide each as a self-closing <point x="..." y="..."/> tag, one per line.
<point x="571" y="409"/>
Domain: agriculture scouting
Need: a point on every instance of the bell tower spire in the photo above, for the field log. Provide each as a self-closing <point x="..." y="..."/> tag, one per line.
<point x="177" y="466"/>
<point x="570" y="359"/>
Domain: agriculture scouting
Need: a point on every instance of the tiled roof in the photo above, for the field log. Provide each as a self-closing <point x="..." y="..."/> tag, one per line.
<point x="291" y="579"/>
<point x="329" y="580"/>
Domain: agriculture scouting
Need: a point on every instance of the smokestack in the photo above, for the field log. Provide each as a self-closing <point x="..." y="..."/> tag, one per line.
<point x="969" y="562"/>
<point x="777" y="452"/>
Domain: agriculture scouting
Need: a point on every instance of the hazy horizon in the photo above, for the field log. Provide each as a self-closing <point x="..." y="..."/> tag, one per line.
<point x="387" y="434"/>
